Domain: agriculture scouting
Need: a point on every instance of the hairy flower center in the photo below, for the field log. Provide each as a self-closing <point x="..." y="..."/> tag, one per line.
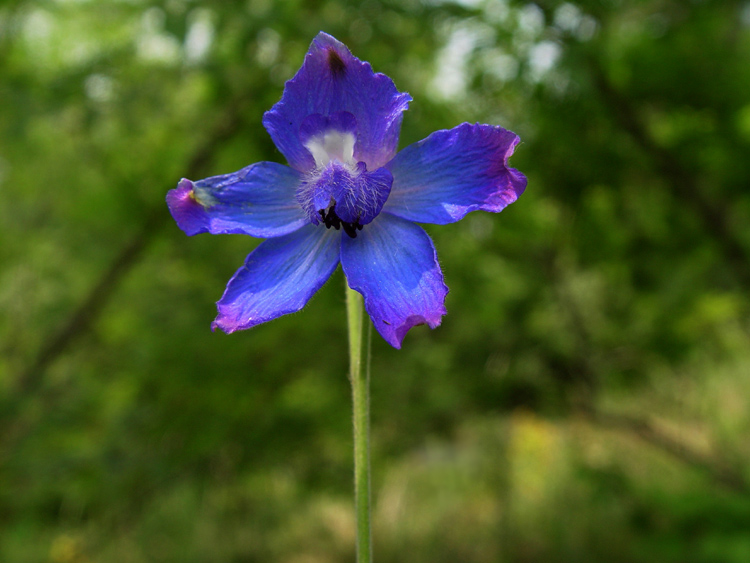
<point x="339" y="191"/>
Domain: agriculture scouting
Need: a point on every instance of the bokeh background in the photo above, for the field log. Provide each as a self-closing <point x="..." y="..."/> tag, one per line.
<point x="586" y="398"/>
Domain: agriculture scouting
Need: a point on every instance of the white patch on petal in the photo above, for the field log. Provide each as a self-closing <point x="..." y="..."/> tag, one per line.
<point x="332" y="145"/>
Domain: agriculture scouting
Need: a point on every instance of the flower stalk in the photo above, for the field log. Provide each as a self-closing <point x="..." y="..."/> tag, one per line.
<point x="359" y="375"/>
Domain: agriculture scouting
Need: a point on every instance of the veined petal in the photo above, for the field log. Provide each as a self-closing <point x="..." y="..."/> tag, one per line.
<point x="258" y="200"/>
<point x="452" y="172"/>
<point x="393" y="263"/>
<point x="279" y="277"/>
<point x="332" y="80"/>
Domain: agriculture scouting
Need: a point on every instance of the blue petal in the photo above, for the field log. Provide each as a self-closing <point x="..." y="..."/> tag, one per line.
<point x="279" y="277"/>
<point x="332" y="80"/>
<point x="452" y="172"/>
<point x="393" y="263"/>
<point x="258" y="200"/>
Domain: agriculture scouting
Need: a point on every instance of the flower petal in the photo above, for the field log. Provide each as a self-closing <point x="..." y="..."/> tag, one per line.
<point x="452" y="172"/>
<point x="258" y="200"/>
<point x="393" y="263"/>
<point x="332" y="80"/>
<point x="279" y="277"/>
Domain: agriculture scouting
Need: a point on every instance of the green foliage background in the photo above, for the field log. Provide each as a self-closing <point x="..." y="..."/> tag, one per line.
<point x="586" y="398"/>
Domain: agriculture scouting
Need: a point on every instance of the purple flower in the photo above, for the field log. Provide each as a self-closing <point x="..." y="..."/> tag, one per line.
<point x="347" y="197"/>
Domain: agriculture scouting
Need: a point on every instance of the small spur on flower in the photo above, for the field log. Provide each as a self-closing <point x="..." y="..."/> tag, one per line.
<point x="347" y="196"/>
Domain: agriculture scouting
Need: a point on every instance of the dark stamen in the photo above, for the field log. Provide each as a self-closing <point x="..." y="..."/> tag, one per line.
<point x="350" y="229"/>
<point x="330" y="219"/>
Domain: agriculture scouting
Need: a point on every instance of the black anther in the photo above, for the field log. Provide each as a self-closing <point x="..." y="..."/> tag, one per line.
<point x="330" y="219"/>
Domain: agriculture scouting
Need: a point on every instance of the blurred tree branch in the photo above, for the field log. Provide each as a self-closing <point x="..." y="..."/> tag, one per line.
<point x="81" y="319"/>
<point x="583" y="380"/>
<point x="717" y="469"/>
<point x="714" y="215"/>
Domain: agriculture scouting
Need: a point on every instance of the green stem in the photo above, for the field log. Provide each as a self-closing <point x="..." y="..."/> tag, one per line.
<point x="360" y="380"/>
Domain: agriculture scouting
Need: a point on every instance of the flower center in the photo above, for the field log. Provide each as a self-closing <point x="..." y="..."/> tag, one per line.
<point x="339" y="191"/>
